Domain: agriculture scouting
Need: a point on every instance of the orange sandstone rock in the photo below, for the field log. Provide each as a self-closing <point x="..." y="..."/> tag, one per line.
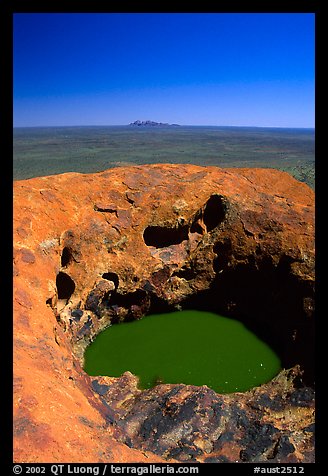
<point x="91" y="250"/>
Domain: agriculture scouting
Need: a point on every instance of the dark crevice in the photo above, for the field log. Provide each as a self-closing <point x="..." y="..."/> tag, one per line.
<point x="129" y="199"/>
<point x="214" y="212"/>
<point x="126" y="307"/>
<point x="195" y="225"/>
<point x="159" y="305"/>
<point x="128" y="299"/>
<point x="223" y="250"/>
<point x="136" y="303"/>
<point x="101" y="292"/>
<point x="65" y="286"/>
<point x="66" y="257"/>
<point x="162" y="236"/>
<point x="50" y="302"/>
<point x="186" y="273"/>
<point x="196" y="228"/>
<point x="111" y="277"/>
<point x="105" y="209"/>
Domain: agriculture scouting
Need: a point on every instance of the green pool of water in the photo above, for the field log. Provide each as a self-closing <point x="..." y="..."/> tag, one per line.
<point x="190" y="347"/>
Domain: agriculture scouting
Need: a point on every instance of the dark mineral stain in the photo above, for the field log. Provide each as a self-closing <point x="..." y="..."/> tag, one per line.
<point x="310" y="428"/>
<point x="24" y="319"/>
<point x="223" y="439"/>
<point x="23" y="298"/>
<point x="21" y="425"/>
<point x="99" y="388"/>
<point x="274" y="404"/>
<point x="86" y="328"/>
<point x="217" y="459"/>
<point x="161" y="276"/>
<point x="85" y="421"/>
<point x="148" y="287"/>
<point x="155" y="424"/>
<point x="284" y="447"/>
<point x="92" y="302"/>
<point x="302" y="397"/>
<point x="38" y="433"/>
<point x="77" y="314"/>
<point x="27" y="256"/>
<point x="256" y="440"/>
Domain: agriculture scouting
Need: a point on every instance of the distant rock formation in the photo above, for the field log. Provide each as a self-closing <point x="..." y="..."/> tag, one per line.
<point x="151" y="123"/>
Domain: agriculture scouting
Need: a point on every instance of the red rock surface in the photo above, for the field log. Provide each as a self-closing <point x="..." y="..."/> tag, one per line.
<point x="116" y="243"/>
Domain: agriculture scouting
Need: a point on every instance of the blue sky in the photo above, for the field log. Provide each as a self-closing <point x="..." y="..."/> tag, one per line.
<point x="189" y="68"/>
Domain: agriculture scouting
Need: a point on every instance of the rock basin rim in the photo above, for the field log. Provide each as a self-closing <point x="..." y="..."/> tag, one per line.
<point x="95" y="249"/>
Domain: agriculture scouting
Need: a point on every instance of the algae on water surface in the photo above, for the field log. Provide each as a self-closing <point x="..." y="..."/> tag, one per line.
<point x="190" y="347"/>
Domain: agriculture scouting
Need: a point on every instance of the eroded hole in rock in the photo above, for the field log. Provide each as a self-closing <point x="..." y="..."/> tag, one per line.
<point x="66" y="257"/>
<point x="205" y="220"/>
<point x="190" y="347"/>
<point x="65" y="286"/>
<point x="112" y="277"/>
<point x="214" y="212"/>
<point x="196" y="228"/>
<point x="130" y="306"/>
<point x="186" y="272"/>
<point x="161" y="236"/>
<point x="50" y="302"/>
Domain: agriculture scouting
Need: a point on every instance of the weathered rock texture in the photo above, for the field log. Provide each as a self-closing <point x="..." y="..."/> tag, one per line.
<point x="93" y="250"/>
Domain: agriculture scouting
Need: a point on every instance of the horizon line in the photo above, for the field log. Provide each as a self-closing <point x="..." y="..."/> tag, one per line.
<point x="165" y="125"/>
